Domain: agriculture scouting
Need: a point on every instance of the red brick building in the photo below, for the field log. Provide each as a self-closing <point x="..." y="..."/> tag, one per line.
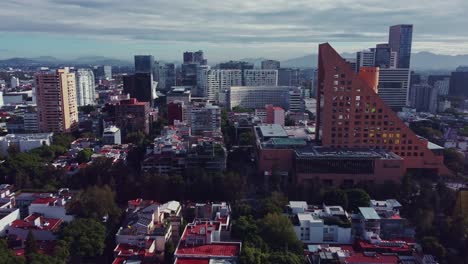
<point x="350" y="114"/>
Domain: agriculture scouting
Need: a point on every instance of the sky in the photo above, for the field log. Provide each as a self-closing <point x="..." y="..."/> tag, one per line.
<point x="223" y="29"/>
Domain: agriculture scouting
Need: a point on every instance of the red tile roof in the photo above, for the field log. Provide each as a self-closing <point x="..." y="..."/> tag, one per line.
<point x="214" y="249"/>
<point x="192" y="261"/>
<point x="49" y="224"/>
<point x="45" y="200"/>
<point x="362" y="259"/>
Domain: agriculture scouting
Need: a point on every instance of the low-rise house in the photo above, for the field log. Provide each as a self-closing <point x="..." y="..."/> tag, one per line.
<point x="24" y="142"/>
<point x="43" y="228"/>
<point x="7" y="216"/>
<point x="314" y="225"/>
<point x="392" y="225"/>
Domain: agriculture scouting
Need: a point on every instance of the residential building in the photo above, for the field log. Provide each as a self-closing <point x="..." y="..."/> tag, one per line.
<point x="189" y="69"/>
<point x="393" y="87"/>
<point x="236" y="65"/>
<point x="204" y="118"/>
<point x="459" y="83"/>
<point x="7" y="217"/>
<point x="24" y="142"/>
<point x="56" y="101"/>
<point x="326" y="225"/>
<point x="442" y="86"/>
<point x="392" y="225"/>
<point x="274" y="115"/>
<point x="43" y="228"/>
<point x="253" y="97"/>
<point x="85" y="88"/>
<point x="423" y="97"/>
<point x="132" y="116"/>
<point x="30" y="122"/>
<point x="7" y="196"/>
<point x="179" y="93"/>
<point x="147" y="220"/>
<point x="175" y="111"/>
<point x="14" y="82"/>
<point x="400" y="38"/>
<point x="351" y="115"/>
<point x="208" y="154"/>
<point x="140" y="86"/>
<point x="51" y="207"/>
<point x="213" y="84"/>
<point x="270" y="65"/>
<point x="111" y="136"/>
<point x="260" y="77"/>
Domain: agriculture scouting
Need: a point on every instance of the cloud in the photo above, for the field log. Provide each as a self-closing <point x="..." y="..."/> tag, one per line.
<point x="234" y="22"/>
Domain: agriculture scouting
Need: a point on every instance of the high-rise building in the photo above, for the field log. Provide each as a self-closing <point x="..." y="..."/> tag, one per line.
<point x="236" y="65"/>
<point x="205" y="118"/>
<point x="270" y="65"/>
<point x="442" y="86"/>
<point x="103" y="72"/>
<point x="394" y="87"/>
<point x="132" y="116"/>
<point x="167" y="76"/>
<point x="399" y="40"/>
<point x="85" y="88"/>
<point x="350" y="115"/>
<point x="194" y="57"/>
<point x="260" y="77"/>
<point x="57" y="109"/>
<point x="423" y="97"/>
<point x="214" y="84"/>
<point x="382" y="54"/>
<point x="144" y="64"/>
<point x="364" y="58"/>
<point x="14" y="82"/>
<point x="288" y="77"/>
<point x="432" y="79"/>
<point x="140" y="86"/>
<point x="190" y="67"/>
<point x="459" y="83"/>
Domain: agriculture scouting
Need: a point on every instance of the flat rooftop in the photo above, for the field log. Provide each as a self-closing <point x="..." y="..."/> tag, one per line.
<point x="340" y="153"/>
<point x="273" y="130"/>
<point x="369" y="213"/>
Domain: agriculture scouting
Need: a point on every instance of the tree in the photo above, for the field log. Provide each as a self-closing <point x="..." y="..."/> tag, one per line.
<point x="432" y="246"/>
<point x="246" y="138"/>
<point x="244" y="228"/>
<point x="284" y="258"/>
<point x="169" y="250"/>
<point x="253" y="255"/>
<point x="30" y="246"/>
<point x="96" y="202"/>
<point x="61" y="251"/>
<point x="86" y="237"/>
<point x="335" y="197"/>
<point x="84" y="155"/>
<point x="63" y="140"/>
<point x="454" y="160"/>
<point x="357" y="198"/>
<point x="6" y="255"/>
<point x="278" y="232"/>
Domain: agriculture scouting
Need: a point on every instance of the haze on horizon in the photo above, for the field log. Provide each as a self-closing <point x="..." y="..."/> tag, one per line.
<point x="277" y="29"/>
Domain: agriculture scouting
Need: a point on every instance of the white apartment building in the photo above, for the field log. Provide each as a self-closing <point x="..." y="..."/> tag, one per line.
<point x="85" y="88"/>
<point x="7" y="216"/>
<point x="51" y="207"/>
<point x="365" y="58"/>
<point x="329" y="224"/>
<point x="213" y="84"/>
<point x="253" y="97"/>
<point x="24" y="142"/>
<point x="442" y="86"/>
<point x="260" y="77"/>
<point x="203" y="117"/>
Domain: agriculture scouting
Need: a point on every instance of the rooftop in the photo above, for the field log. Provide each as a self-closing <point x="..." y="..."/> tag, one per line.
<point x="37" y="221"/>
<point x="273" y="130"/>
<point x="369" y="213"/>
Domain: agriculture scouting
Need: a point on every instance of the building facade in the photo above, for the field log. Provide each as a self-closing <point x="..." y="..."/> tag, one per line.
<point x="399" y="40"/>
<point x="270" y="65"/>
<point x="260" y="77"/>
<point x="85" y="88"/>
<point x="57" y="108"/>
<point x="394" y="87"/>
<point x="351" y="115"/>
<point x="253" y="97"/>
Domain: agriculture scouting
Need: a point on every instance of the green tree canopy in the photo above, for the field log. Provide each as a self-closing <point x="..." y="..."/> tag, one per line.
<point x="95" y="202"/>
<point x="86" y="237"/>
<point x="336" y="197"/>
<point x="84" y="155"/>
<point x="278" y="232"/>
<point x="357" y="198"/>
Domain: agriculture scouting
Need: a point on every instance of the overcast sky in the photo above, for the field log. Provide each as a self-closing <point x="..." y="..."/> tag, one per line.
<point x="224" y="29"/>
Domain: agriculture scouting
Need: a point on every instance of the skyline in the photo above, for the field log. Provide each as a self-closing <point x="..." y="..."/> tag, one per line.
<point x="229" y="30"/>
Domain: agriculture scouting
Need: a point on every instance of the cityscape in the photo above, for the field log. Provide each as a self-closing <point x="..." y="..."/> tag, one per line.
<point x="337" y="157"/>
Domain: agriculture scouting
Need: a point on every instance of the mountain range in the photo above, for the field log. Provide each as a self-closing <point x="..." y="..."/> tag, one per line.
<point x="419" y="61"/>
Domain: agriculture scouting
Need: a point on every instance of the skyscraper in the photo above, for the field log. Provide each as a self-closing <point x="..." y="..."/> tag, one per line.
<point x="57" y="110"/>
<point x="167" y="76"/>
<point x="382" y="55"/>
<point x="144" y="63"/>
<point x="399" y="40"/>
<point x="394" y="87"/>
<point x="270" y="65"/>
<point x="260" y="77"/>
<point x="140" y="86"/>
<point x="458" y="83"/>
<point x="350" y="115"/>
<point x="85" y="88"/>
<point x="103" y="72"/>
<point x="365" y="58"/>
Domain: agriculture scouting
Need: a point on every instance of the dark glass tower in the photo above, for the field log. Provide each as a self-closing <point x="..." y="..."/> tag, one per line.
<point x="144" y="63"/>
<point x="399" y="40"/>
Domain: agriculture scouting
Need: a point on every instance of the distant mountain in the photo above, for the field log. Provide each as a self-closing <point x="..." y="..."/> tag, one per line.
<point x="52" y="61"/>
<point x="308" y="61"/>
